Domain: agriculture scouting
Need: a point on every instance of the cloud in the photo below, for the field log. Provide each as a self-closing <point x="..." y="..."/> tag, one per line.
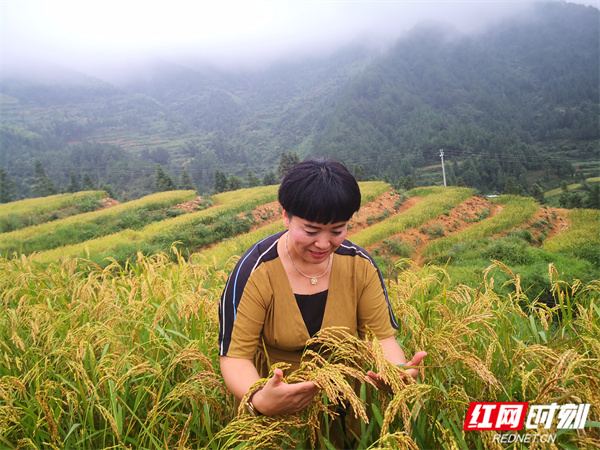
<point x="93" y="35"/>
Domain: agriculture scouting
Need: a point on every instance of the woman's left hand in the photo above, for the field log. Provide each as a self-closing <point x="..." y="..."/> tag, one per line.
<point x="379" y="383"/>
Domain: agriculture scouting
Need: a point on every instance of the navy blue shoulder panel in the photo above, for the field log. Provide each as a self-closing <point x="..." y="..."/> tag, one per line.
<point x="262" y="251"/>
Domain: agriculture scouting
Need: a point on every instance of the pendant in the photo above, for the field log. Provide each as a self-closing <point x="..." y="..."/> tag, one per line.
<point x="313" y="281"/>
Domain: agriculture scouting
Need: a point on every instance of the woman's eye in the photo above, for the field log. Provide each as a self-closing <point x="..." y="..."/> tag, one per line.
<point x="336" y="233"/>
<point x="311" y="233"/>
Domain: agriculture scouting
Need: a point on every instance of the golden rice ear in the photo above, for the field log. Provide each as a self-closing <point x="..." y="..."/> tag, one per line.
<point x="398" y="440"/>
<point x="400" y="402"/>
<point x="261" y="432"/>
<point x="333" y="366"/>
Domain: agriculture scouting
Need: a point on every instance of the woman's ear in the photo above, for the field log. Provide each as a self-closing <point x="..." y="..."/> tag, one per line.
<point x="286" y="219"/>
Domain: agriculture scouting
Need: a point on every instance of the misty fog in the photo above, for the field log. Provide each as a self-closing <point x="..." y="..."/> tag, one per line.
<point x="112" y="40"/>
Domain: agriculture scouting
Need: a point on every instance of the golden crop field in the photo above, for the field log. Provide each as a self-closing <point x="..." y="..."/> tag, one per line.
<point x="125" y="354"/>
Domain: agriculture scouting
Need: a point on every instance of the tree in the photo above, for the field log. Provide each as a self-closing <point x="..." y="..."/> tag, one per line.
<point x="87" y="182"/>
<point x="537" y="193"/>
<point x="593" y="199"/>
<point x="251" y="179"/>
<point x="520" y="191"/>
<point x="187" y="183"/>
<point x="220" y="181"/>
<point x="409" y="183"/>
<point x="43" y="185"/>
<point x="163" y="180"/>
<point x="234" y="183"/>
<point x="160" y="156"/>
<point x="359" y="173"/>
<point x="510" y="187"/>
<point x="270" y="178"/>
<point x="107" y="188"/>
<point x="73" y="185"/>
<point x="570" y="200"/>
<point x="7" y="187"/>
<point x="286" y="162"/>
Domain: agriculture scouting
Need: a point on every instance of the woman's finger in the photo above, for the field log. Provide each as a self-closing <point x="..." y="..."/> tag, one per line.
<point x="419" y="356"/>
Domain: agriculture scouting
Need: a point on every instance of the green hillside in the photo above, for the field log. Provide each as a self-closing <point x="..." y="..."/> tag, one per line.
<point x="513" y="107"/>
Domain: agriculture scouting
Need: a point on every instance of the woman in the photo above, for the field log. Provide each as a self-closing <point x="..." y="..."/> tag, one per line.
<point x="290" y="285"/>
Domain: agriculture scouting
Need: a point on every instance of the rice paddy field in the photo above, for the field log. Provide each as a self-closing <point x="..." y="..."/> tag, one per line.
<point x="98" y="350"/>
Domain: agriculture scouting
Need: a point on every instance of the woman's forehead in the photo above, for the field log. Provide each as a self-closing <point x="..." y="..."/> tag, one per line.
<point x="321" y="226"/>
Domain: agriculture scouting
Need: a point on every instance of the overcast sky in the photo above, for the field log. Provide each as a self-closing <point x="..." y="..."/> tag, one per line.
<point x="95" y="36"/>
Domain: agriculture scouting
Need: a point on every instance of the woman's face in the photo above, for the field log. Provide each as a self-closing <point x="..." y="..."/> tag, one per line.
<point x="313" y="242"/>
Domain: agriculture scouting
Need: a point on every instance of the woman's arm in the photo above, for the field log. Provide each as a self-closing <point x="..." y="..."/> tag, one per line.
<point x="276" y="397"/>
<point x="239" y="374"/>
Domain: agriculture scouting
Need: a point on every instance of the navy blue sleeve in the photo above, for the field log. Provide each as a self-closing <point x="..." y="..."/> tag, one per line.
<point x="260" y="252"/>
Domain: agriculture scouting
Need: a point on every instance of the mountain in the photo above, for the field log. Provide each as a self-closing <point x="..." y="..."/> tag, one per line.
<point x="514" y="104"/>
<point x="511" y="97"/>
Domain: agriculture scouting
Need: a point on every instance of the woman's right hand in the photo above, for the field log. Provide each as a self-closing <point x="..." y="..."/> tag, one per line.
<point x="278" y="397"/>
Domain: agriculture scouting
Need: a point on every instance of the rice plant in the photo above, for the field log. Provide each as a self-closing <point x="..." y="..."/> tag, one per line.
<point x="218" y="255"/>
<point x="158" y="237"/>
<point x="480" y="348"/>
<point x="126" y="356"/>
<point x="370" y="190"/>
<point x="581" y="239"/>
<point x="114" y="357"/>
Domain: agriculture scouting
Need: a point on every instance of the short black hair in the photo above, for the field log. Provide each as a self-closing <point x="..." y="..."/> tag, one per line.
<point x="321" y="191"/>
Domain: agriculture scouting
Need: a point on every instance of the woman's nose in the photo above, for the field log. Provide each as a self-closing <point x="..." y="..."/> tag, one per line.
<point x="322" y="242"/>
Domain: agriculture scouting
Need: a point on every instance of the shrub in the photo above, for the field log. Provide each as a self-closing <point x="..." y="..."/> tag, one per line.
<point x="87" y="204"/>
<point x="399" y="248"/>
<point x="521" y="233"/>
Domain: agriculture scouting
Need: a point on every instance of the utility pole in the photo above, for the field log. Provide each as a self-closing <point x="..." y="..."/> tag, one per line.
<point x="443" y="169"/>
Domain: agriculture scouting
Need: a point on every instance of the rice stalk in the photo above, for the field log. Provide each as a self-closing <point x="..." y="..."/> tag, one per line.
<point x="181" y="444"/>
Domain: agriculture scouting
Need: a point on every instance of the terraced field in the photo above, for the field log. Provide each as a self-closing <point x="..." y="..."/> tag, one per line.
<point x="426" y="225"/>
